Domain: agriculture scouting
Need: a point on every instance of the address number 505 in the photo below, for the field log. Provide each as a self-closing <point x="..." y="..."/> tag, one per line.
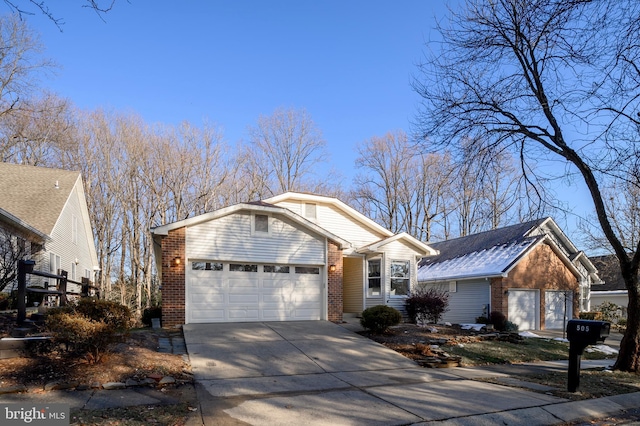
<point x="584" y="328"/>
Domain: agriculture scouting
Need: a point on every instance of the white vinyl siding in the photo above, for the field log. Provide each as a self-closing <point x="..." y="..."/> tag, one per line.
<point x="470" y="300"/>
<point x="397" y="251"/>
<point x="336" y="222"/>
<point x="352" y="284"/>
<point x="229" y="238"/>
<point x="61" y="239"/>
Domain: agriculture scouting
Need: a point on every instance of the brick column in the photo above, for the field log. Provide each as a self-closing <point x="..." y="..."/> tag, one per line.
<point x="334" y="285"/>
<point x="173" y="278"/>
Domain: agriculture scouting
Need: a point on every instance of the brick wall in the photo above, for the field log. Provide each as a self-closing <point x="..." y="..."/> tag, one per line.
<point x="334" y="285"/>
<point x="173" y="278"/>
<point x="543" y="270"/>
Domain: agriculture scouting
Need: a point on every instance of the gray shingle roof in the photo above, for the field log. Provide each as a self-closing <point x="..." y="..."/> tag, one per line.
<point x="489" y="253"/>
<point x="451" y="249"/>
<point x="30" y="193"/>
<point x="609" y="271"/>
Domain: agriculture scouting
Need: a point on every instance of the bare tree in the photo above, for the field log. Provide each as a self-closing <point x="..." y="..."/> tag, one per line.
<point x="284" y="150"/>
<point x="551" y="80"/>
<point x="23" y="8"/>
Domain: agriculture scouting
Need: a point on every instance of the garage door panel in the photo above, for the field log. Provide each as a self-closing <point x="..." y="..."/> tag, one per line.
<point x="204" y="299"/>
<point x="243" y="299"/>
<point x="246" y="314"/>
<point x="304" y="314"/>
<point x="208" y="315"/>
<point x="277" y="284"/>
<point x="558" y="308"/>
<point x="276" y="298"/>
<point x="243" y="283"/>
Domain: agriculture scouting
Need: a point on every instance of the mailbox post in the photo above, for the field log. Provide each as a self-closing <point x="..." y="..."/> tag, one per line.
<point x="582" y="333"/>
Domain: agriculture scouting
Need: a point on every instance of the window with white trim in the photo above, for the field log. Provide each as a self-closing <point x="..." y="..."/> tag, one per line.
<point x="374" y="279"/>
<point x="310" y="211"/>
<point x="260" y="224"/>
<point x="400" y="277"/>
<point x="54" y="263"/>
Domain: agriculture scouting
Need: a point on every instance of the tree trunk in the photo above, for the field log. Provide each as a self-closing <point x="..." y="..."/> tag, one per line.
<point x="629" y="355"/>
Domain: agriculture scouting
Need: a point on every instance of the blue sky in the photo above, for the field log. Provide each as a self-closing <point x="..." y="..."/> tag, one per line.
<point x="348" y="63"/>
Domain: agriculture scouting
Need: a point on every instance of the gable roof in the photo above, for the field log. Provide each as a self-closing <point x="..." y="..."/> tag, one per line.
<point x="344" y="208"/>
<point x="253" y="206"/>
<point x="494" y="253"/>
<point x="35" y="195"/>
<point x="421" y="248"/>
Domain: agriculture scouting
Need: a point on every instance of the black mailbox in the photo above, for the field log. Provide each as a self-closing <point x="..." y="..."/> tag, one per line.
<point x="588" y="332"/>
<point x="582" y="333"/>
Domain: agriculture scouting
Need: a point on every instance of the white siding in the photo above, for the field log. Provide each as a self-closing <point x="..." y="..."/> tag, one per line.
<point x="63" y="245"/>
<point x="337" y="222"/>
<point x="397" y="251"/>
<point x="470" y="300"/>
<point x="352" y="284"/>
<point x="229" y="239"/>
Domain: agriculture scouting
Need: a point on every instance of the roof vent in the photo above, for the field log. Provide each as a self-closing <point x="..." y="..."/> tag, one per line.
<point x="57" y="186"/>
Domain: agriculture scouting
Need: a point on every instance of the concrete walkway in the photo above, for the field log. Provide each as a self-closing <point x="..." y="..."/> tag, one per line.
<point x="318" y="373"/>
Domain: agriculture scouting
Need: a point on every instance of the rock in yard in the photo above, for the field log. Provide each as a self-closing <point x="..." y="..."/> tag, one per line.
<point x="167" y="380"/>
<point x="113" y="385"/>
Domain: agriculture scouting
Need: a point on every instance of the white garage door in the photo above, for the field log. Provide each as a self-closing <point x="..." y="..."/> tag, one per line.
<point x="228" y="292"/>
<point x="523" y="308"/>
<point x="557" y="305"/>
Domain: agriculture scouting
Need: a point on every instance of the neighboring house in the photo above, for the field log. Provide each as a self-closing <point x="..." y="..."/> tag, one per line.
<point x="291" y="257"/>
<point x="44" y="212"/>
<point x="613" y="290"/>
<point x="530" y="272"/>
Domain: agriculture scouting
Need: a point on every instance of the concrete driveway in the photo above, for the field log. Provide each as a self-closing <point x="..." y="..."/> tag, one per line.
<point x="317" y="372"/>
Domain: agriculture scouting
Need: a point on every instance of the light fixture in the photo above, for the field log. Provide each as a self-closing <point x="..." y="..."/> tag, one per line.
<point x="332" y="268"/>
<point x="177" y="261"/>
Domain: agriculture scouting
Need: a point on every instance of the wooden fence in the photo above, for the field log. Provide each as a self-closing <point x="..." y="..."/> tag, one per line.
<point x="25" y="267"/>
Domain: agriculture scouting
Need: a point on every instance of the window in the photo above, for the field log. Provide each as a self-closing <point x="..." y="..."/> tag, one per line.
<point x="206" y="266"/>
<point x="74" y="229"/>
<point x="278" y="269"/>
<point x="307" y="270"/>
<point x="73" y="271"/>
<point x="54" y="263"/>
<point x="310" y="211"/>
<point x="261" y="224"/>
<point x="374" y="278"/>
<point x="234" y="267"/>
<point x="87" y="274"/>
<point x="400" y="278"/>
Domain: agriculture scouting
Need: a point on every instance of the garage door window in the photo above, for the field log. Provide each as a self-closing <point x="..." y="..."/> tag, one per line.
<point x="307" y="270"/>
<point x="206" y="266"/>
<point x="277" y="269"/>
<point x="235" y="267"/>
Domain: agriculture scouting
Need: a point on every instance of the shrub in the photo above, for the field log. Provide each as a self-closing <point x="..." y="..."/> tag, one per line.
<point x="89" y="328"/>
<point x="4" y="301"/>
<point x="149" y="313"/>
<point x="498" y="320"/>
<point x="510" y="327"/>
<point x="427" y="305"/>
<point x="482" y="320"/>
<point x="379" y="318"/>
<point x="591" y="315"/>
<point x="610" y="311"/>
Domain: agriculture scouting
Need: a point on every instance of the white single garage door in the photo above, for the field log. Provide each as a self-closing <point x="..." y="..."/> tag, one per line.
<point x="558" y="308"/>
<point x="230" y="292"/>
<point x="523" y="308"/>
